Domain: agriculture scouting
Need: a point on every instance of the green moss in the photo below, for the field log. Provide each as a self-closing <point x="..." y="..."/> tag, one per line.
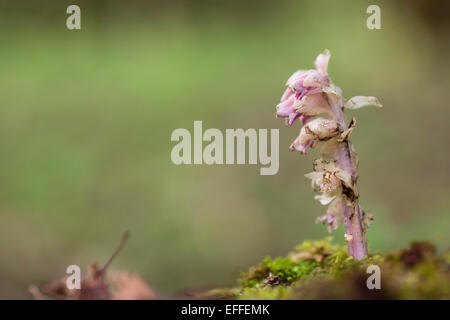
<point x="310" y="259"/>
<point x="285" y="271"/>
<point x="320" y="269"/>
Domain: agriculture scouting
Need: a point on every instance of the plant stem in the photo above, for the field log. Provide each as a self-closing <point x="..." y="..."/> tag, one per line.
<point x="116" y="251"/>
<point x="356" y="240"/>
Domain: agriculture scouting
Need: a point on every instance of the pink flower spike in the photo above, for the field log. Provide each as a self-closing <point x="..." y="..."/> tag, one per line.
<point x="311" y="93"/>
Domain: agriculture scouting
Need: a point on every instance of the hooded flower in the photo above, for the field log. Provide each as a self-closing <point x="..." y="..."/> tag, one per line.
<point x="331" y="146"/>
<point x="286" y="110"/>
<point x="316" y="130"/>
<point x="334" y="215"/>
<point x="301" y="85"/>
<point x="329" y="178"/>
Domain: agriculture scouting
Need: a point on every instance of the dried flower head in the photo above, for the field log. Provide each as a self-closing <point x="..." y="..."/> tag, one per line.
<point x="314" y="131"/>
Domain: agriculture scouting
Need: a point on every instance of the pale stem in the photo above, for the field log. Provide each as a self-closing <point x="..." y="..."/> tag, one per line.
<point x="356" y="242"/>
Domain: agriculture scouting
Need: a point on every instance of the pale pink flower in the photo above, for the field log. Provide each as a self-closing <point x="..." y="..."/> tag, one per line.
<point x="304" y="90"/>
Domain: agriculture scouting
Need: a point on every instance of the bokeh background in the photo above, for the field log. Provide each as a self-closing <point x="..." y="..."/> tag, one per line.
<point x="86" y="118"/>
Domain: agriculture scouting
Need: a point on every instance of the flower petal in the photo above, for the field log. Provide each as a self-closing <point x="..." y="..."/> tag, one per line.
<point x="361" y="101"/>
<point x="344" y="135"/>
<point x="329" y="148"/>
<point x="316" y="130"/>
<point x="333" y="93"/>
<point x="315" y="79"/>
<point x="302" y="147"/>
<point x="323" y="129"/>
<point x="322" y="60"/>
<point x="292" y="117"/>
<point x="325" y="198"/>
<point x="345" y="177"/>
<point x="367" y="219"/>
<point x="285" y="108"/>
<point x="287" y="93"/>
<point x="322" y="165"/>
<point x="336" y="209"/>
<point x="315" y="177"/>
<point x="294" y="77"/>
<point x="312" y="104"/>
<point x="334" y="215"/>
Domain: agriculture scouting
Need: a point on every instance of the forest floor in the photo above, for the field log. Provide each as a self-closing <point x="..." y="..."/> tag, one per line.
<point x="322" y="270"/>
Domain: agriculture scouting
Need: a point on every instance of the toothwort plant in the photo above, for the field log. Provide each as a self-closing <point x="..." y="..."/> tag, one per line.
<point x="308" y="94"/>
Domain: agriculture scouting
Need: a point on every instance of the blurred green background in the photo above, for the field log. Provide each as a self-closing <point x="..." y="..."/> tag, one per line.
<point x="86" y="118"/>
